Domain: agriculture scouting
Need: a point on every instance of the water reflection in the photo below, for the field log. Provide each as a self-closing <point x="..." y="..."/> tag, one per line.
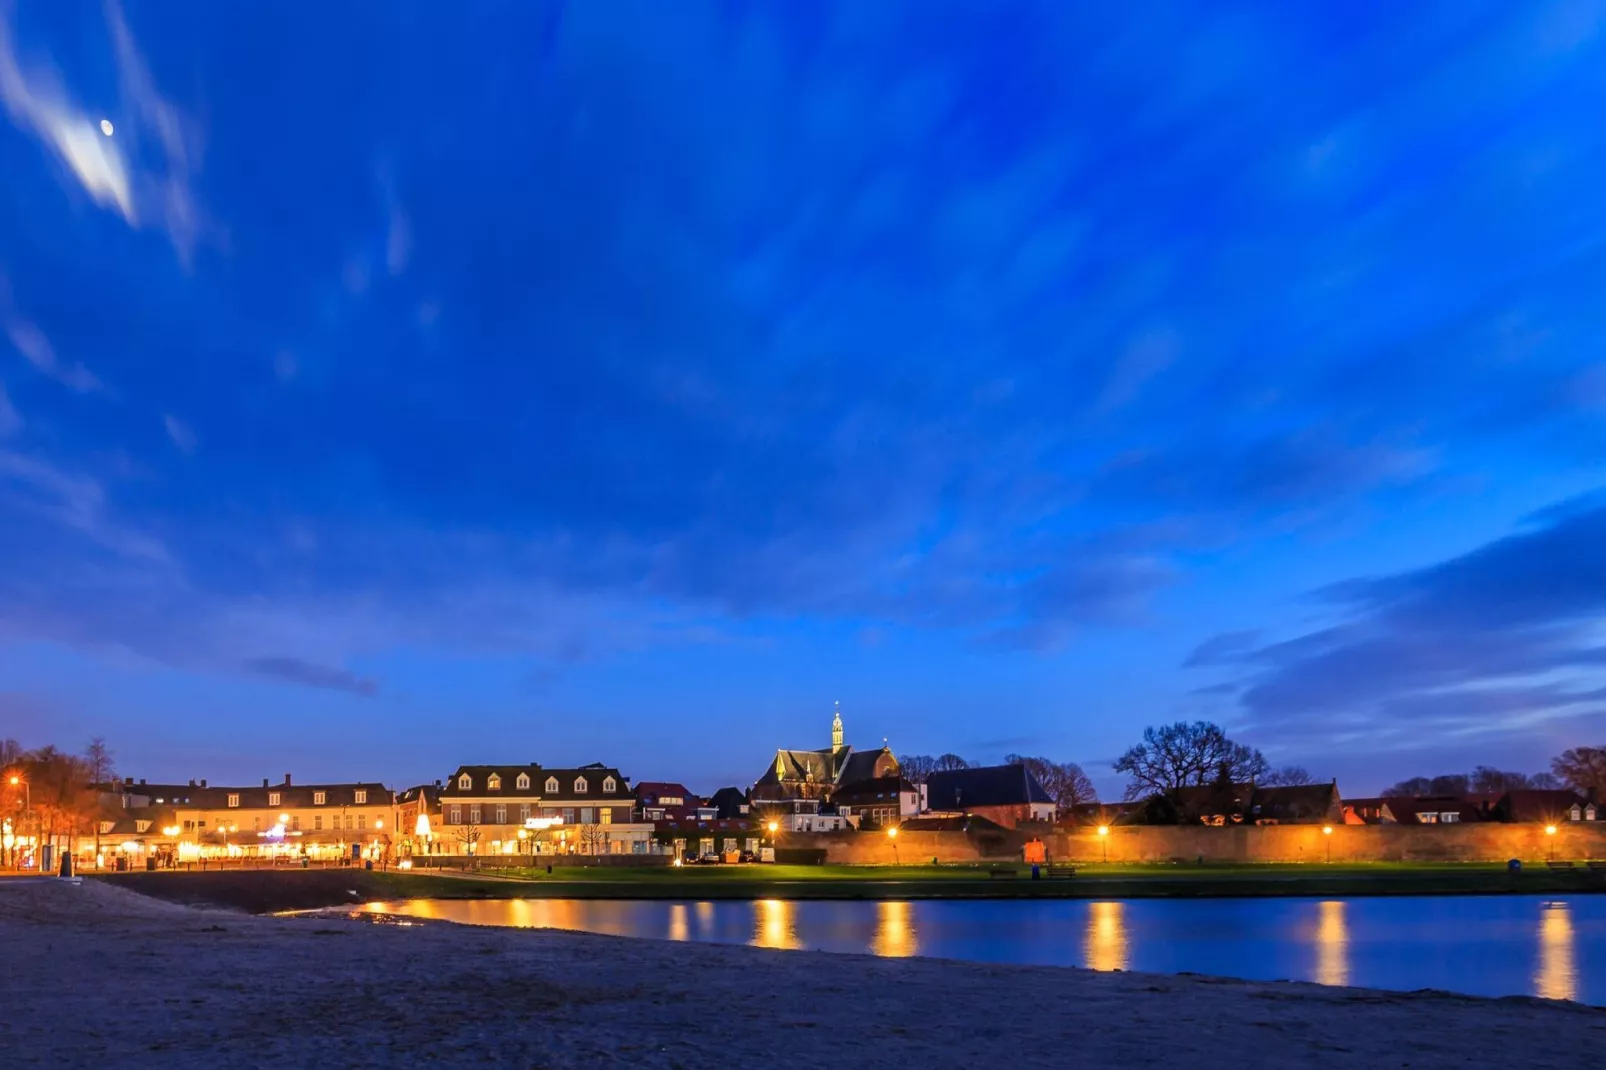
<point x="1104" y="947"/>
<point x="1558" y="975"/>
<point x="1332" y="944"/>
<point x="894" y="931"/>
<point x="776" y="924"/>
<point x="679" y="925"/>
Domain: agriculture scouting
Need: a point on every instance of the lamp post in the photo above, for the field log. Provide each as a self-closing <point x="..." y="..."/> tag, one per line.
<point x="27" y="804"/>
<point x="1104" y="840"/>
<point x="1327" y="834"/>
<point x="892" y="834"/>
<point x="1550" y="835"/>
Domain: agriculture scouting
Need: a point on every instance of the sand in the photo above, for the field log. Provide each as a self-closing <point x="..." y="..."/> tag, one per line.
<point x="96" y="976"/>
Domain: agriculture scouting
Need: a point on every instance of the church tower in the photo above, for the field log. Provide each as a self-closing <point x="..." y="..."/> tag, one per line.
<point x="836" y="730"/>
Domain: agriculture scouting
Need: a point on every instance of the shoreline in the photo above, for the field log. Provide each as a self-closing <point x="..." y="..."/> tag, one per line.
<point x="202" y="988"/>
<point x="272" y="891"/>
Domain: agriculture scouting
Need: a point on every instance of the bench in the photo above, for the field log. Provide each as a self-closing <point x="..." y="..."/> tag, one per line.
<point x="1566" y="867"/>
<point x="1002" y="874"/>
<point x="1596" y="867"/>
<point x="1059" y="872"/>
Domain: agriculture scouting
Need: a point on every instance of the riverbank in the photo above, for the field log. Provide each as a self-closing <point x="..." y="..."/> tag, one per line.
<point x="208" y="988"/>
<point x="274" y="890"/>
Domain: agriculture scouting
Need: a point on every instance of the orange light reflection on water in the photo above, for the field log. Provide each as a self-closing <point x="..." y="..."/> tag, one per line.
<point x="894" y="931"/>
<point x="1557" y="977"/>
<point x="775" y="924"/>
<point x="1332" y="943"/>
<point x="1104" y="945"/>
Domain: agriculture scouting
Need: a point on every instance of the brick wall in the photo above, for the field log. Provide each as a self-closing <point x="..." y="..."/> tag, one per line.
<point x="1277" y="843"/>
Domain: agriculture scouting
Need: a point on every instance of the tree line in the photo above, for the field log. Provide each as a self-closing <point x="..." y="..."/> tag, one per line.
<point x="49" y="794"/>
<point x="1582" y="769"/>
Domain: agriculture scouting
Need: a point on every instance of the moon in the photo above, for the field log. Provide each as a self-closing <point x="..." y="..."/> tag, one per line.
<point x="106" y="127"/>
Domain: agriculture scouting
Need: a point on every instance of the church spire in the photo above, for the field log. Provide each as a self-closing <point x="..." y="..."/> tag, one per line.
<point x="836" y="729"/>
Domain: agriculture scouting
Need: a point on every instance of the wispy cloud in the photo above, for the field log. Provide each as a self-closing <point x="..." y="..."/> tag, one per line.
<point x="311" y="674"/>
<point x="36" y="349"/>
<point x="179" y="432"/>
<point x="10" y="419"/>
<point x="147" y="188"/>
<point x="74" y="501"/>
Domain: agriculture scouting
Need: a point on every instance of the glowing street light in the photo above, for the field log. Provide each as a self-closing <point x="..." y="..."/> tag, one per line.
<point x="1327" y="834"/>
<point x="1550" y="833"/>
<point x="775" y="826"/>
<point x="892" y="834"/>
<point x="1104" y="839"/>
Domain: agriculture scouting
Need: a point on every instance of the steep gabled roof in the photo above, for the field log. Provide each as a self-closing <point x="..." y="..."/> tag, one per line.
<point x="990" y="785"/>
<point x="1537" y="805"/>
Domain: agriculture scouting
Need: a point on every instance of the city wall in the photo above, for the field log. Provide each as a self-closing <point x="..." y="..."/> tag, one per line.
<point x="1275" y="843"/>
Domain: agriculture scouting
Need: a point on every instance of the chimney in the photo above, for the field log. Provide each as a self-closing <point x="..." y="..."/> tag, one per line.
<point x="192" y="782"/>
<point x="128" y="781"/>
<point x="142" y="782"/>
<point x="287" y="780"/>
<point x="203" y="783"/>
<point x="437" y="783"/>
<point x="264" y="782"/>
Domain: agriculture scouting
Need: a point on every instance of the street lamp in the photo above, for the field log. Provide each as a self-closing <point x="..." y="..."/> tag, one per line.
<point x="27" y="796"/>
<point x="892" y="834"/>
<point x="1327" y="834"/>
<point x="1104" y="839"/>
<point x="1550" y="832"/>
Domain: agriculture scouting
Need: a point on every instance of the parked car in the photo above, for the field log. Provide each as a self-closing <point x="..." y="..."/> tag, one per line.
<point x="709" y="859"/>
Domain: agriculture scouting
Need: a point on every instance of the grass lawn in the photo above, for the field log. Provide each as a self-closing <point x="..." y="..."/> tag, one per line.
<point x="269" y="890"/>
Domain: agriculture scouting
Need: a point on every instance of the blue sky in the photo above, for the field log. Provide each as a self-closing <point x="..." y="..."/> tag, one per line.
<point x="399" y="385"/>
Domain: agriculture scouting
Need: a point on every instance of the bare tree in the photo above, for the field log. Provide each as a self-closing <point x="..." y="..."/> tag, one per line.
<point x="1186" y="755"/>
<point x="1065" y="782"/>
<point x="592" y="838"/>
<point x="467" y="836"/>
<point x="1289" y="776"/>
<point x="1487" y="780"/>
<point x="1582" y="768"/>
<point x="1545" y="782"/>
<point x="917" y="767"/>
<point x="947" y="763"/>
<point x="1417" y="785"/>
<point x="101" y="770"/>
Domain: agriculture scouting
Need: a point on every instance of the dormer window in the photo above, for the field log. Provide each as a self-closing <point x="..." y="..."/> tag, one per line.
<point x="523" y="782"/>
<point x="319" y="798"/>
<point x="142" y="826"/>
<point x="360" y="796"/>
<point x="1577" y="812"/>
<point x="273" y="798"/>
<point x="494" y="784"/>
<point x="234" y="801"/>
<point x="551" y="785"/>
<point x="465" y="782"/>
<point x="609" y="785"/>
<point x="580" y="785"/>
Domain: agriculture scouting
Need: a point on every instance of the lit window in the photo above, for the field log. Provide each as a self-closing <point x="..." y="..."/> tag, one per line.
<point x="501" y="815"/>
<point x="362" y="821"/>
<point x="318" y="798"/>
<point x="361" y="796"/>
<point x="456" y="817"/>
<point x="106" y="827"/>
<point x="234" y="800"/>
<point x="465" y="782"/>
<point x="580" y="785"/>
<point x="273" y="798"/>
<point x="474" y="815"/>
<point x="568" y="815"/>
<point x="524" y="813"/>
<point x="494" y="784"/>
<point x="317" y="823"/>
<point x="1449" y="817"/>
<point x="587" y="815"/>
<point x="608" y="786"/>
<point x="295" y="822"/>
<point x="551" y="785"/>
<point x="523" y="782"/>
<point x="607" y="816"/>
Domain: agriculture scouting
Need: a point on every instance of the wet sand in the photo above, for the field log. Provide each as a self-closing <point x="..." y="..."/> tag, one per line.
<point x="96" y="976"/>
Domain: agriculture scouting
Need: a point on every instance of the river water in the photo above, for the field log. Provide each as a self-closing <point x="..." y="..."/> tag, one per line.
<point x="1479" y="945"/>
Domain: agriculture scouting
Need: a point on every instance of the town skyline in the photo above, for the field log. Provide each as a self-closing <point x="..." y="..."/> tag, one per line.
<point x="1017" y="399"/>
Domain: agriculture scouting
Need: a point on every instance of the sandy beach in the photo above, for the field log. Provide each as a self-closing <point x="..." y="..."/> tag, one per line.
<point x="97" y="976"/>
